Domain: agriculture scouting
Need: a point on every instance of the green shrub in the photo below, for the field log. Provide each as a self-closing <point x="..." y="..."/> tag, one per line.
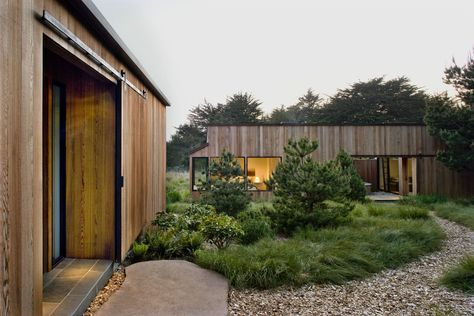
<point x="225" y="187"/>
<point x="301" y="186"/>
<point x="357" y="190"/>
<point x="328" y="213"/>
<point x="173" y="197"/>
<point x="164" y="220"/>
<point x="178" y="207"/>
<point x="461" y="276"/>
<point x="255" y="226"/>
<point x="172" y="243"/>
<point x="220" y="230"/>
<point x="139" y="250"/>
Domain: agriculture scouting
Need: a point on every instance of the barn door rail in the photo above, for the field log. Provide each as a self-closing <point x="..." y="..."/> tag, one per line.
<point x="65" y="33"/>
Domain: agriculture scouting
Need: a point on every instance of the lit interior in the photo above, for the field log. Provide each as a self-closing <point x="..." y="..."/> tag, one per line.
<point x="259" y="170"/>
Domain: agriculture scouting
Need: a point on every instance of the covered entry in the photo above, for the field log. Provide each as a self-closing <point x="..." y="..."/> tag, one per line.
<point x="79" y="154"/>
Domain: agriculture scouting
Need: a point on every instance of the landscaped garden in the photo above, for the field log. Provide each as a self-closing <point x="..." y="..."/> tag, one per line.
<point x="318" y="229"/>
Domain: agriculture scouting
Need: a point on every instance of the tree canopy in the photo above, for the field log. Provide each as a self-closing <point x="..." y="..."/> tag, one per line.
<point x="304" y="111"/>
<point x="453" y="120"/>
<point x="376" y="101"/>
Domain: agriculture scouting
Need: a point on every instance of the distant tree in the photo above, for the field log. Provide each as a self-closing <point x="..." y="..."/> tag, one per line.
<point x="240" y="108"/>
<point x="182" y="142"/>
<point x="453" y="120"/>
<point x="204" y="114"/>
<point x="462" y="79"/>
<point x="376" y="102"/>
<point x="304" y="111"/>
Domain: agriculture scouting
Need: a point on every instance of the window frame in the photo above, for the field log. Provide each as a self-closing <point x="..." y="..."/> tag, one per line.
<point x="193" y="168"/>
<point x="246" y="169"/>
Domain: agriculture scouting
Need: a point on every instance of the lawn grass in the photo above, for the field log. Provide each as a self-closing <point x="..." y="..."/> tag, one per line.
<point x="384" y="237"/>
<point x="461" y="276"/>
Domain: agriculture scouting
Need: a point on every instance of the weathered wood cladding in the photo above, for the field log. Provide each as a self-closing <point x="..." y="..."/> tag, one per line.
<point x="21" y="146"/>
<point x="359" y="141"/>
<point x="143" y="164"/>
<point x="376" y="140"/>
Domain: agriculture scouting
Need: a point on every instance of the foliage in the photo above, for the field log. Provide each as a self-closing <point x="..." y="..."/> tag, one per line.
<point x="376" y="102"/>
<point x="298" y="199"/>
<point x="172" y="243"/>
<point x="364" y="246"/>
<point x="452" y="121"/>
<point x="461" y="213"/>
<point x="397" y="211"/>
<point x="238" y="108"/>
<point x="454" y="125"/>
<point x="423" y="200"/>
<point x="356" y="185"/>
<point x="177" y="188"/>
<point x="139" y="250"/>
<point x="255" y="225"/>
<point x="462" y="79"/>
<point x="225" y="187"/>
<point x="186" y="137"/>
<point x="220" y="229"/>
<point x="461" y="276"/>
<point x="304" y="111"/>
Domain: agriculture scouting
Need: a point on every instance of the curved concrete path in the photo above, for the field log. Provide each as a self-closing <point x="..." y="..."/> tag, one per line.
<point x="168" y="287"/>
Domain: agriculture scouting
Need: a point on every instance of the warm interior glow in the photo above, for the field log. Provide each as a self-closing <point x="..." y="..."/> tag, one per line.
<point x="259" y="171"/>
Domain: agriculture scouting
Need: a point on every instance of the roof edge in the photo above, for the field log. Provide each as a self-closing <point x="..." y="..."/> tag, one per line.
<point x="99" y="24"/>
<point x="314" y="124"/>
<point x="194" y="150"/>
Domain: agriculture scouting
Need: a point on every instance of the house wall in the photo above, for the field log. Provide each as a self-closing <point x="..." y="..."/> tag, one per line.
<point x="358" y="141"/>
<point x="21" y="148"/>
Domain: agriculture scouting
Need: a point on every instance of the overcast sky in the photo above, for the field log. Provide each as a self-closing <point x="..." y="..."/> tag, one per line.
<point x="276" y="50"/>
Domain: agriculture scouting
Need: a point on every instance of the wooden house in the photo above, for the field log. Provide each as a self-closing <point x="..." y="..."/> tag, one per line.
<point x="82" y="144"/>
<point x="393" y="158"/>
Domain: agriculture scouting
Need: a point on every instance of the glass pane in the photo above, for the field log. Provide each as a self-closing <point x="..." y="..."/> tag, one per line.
<point x="56" y="248"/>
<point x="200" y="171"/>
<point x="240" y="160"/>
<point x="260" y="170"/>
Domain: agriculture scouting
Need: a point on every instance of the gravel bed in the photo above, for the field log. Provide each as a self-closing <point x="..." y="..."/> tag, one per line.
<point x="410" y="290"/>
<point x="114" y="283"/>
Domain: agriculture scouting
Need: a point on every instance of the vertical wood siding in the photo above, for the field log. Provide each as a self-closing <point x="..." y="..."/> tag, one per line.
<point x="21" y="148"/>
<point x="362" y="141"/>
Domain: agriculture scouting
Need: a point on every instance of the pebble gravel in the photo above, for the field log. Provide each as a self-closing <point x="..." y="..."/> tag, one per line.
<point x="410" y="290"/>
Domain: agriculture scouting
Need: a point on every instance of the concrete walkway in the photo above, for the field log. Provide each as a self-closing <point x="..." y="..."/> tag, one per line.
<point x="168" y="287"/>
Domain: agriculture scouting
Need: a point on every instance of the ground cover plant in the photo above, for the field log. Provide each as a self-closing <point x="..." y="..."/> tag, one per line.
<point x="460" y="211"/>
<point x="461" y="276"/>
<point x="373" y="240"/>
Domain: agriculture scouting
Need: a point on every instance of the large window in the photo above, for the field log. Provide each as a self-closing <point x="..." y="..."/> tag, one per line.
<point x="200" y="171"/>
<point x="259" y="170"/>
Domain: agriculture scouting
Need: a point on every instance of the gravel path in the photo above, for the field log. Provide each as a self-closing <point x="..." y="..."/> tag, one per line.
<point x="411" y="290"/>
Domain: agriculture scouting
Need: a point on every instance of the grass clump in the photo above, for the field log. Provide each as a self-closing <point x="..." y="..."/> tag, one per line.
<point x="398" y="211"/>
<point x="363" y="246"/>
<point x="457" y="212"/>
<point x="461" y="276"/>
